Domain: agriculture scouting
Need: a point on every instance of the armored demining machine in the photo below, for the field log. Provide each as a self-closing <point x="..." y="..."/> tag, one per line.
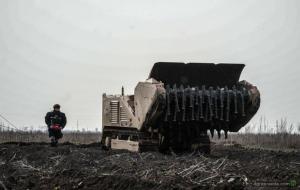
<point x="176" y="106"/>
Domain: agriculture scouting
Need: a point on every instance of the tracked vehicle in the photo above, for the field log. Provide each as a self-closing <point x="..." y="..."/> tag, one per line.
<point x="176" y="106"/>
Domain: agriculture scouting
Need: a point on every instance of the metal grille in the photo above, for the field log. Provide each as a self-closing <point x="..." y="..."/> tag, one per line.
<point x="123" y="115"/>
<point x="114" y="110"/>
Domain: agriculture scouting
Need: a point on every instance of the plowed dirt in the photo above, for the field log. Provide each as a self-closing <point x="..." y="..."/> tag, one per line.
<point x="69" y="166"/>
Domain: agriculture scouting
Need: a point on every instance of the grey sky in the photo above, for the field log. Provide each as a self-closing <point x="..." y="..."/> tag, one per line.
<point x="70" y="52"/>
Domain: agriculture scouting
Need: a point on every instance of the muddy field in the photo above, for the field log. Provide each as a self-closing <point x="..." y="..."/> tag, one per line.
<point x="68" y="166"/>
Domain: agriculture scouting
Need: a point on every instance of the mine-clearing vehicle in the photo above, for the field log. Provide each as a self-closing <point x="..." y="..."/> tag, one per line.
<point x="176" y="107"/>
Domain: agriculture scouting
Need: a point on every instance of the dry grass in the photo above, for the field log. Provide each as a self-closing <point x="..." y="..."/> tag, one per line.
<point x="280" y="136"/>
<point x="281" y="141"/>
<point x="38" y="136"/>
<point x="273" y="141"/>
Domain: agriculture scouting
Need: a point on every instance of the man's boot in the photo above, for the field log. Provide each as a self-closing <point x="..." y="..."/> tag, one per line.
<point x="56" y="141"/>
<point x="53" y="141"/>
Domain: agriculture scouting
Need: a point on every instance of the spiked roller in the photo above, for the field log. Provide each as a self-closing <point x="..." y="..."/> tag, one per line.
<point x="177" y="105"/>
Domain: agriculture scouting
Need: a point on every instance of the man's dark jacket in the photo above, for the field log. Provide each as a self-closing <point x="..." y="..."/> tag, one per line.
<point x="56" y="118"/>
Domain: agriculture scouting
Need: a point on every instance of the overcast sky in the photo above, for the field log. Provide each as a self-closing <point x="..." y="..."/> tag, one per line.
<point x="70" y="52"/>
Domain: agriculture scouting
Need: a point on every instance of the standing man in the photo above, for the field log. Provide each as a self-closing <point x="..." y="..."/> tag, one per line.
<point x="55" y="121"/>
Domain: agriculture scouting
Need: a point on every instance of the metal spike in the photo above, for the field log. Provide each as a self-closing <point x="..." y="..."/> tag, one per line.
<point x="221" y="104"/>
<point x="196" y="96"/>
<point x="243" y="102"/>
<point x="202" y="101"/>
<point x="167" y="102"/>
<point x="197" y="103"/>
<point x="181" y="87"/>
<point x="176" y="107"/>
<point x="176" y="98"/>
<point x="191" y="97"/>
<point x="212" y="132"/>
<point x="235" y="99"/>
<point x="183" y="102"/>
<point x="228" y="104"/>
<point x="216" y="102"/>
<point x="206" y="111"/>
<point x="210" y="103"/>
<point x="219" y="134"/>
<point x="192" y="104"/>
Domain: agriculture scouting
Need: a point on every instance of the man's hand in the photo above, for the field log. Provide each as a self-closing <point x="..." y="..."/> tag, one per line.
<point x="56" y="127"/>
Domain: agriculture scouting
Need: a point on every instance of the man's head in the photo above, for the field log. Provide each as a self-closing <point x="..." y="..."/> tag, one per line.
<point x="56" y="107"/>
